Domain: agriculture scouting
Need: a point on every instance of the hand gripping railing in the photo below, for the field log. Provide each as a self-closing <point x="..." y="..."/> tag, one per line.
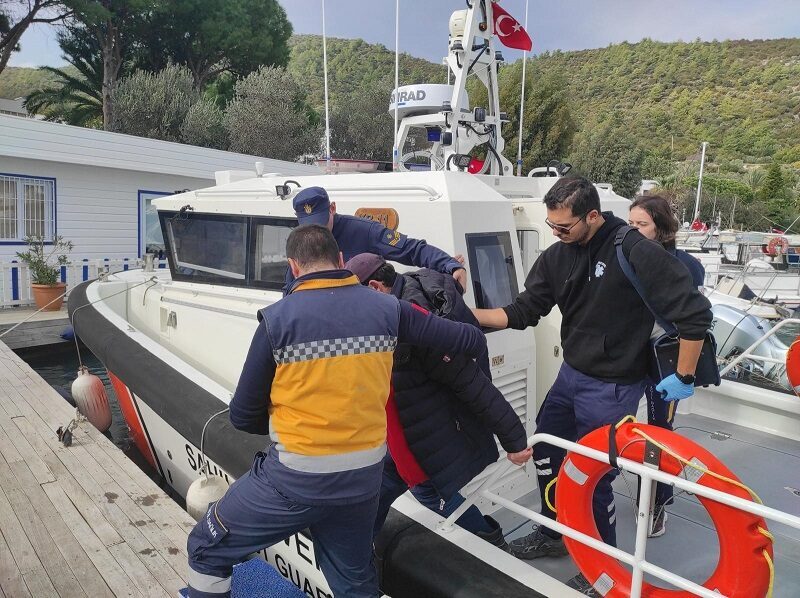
<point x="649" y="476"/>
<point x="748" y="353"/>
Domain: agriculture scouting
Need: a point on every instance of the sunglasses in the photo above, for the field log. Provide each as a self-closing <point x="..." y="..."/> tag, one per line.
<point x="564" y="230"/>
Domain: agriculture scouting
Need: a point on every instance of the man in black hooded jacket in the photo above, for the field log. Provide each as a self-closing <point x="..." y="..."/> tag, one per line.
<point x="443" y="409"/>
<point x="605" y="334"/>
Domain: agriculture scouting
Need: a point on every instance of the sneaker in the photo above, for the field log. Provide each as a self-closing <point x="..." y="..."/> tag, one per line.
<point x="582" y="585"/>
<point x="495" y="536"/>
<point x="537" y="544"/>
<point x="659" y="526"/>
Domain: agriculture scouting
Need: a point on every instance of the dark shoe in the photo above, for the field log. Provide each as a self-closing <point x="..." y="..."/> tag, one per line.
<point x="582" y="585"/>
<point x="537" y="544"/>
<point x="494" y="537"/>
<point x="659" y="526"/>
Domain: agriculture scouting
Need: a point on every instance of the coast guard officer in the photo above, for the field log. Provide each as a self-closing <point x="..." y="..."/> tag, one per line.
<point x="358" y="235"/>
<point x="316" y="378"/>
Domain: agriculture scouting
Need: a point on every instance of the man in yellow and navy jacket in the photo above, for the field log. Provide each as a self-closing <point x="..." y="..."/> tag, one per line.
<point x="317" y="378"/>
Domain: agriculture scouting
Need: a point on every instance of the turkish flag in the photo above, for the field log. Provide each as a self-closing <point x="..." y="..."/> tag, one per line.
<point x="508" y="30"/>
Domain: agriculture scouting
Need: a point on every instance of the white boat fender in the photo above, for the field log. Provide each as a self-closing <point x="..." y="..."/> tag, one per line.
<point x="206" y="489"/>
<point x="203" y="491"/>
<point x="91" y="400"/>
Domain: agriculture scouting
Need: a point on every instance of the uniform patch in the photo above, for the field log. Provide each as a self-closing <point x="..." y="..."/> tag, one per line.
<point x="394" y="238"/>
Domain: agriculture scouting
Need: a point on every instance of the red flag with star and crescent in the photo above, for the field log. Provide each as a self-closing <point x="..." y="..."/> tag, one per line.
<point x="508" y="30"/>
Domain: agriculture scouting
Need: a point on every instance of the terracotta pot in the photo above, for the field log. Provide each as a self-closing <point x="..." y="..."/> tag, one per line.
<point x="45" y="293"/>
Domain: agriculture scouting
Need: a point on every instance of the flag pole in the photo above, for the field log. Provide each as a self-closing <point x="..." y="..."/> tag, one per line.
<point x="395" y="156"/>
<point x="325" y="72"/>
<point x="522" y="99"/>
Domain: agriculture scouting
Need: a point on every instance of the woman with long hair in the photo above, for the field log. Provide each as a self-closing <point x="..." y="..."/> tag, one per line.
<point x="654" y="218"/>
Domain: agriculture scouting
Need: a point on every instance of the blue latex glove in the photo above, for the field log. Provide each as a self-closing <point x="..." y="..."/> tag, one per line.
<point x="672" y="389"/>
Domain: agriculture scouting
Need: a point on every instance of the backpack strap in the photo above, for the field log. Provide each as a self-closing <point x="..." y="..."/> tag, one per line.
<point x="622" y="232"/>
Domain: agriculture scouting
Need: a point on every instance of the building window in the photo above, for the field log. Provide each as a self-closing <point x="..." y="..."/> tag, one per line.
<point x="491" y="262"/>
<point x="27" y="207"/>
<point x="151" y="239"/>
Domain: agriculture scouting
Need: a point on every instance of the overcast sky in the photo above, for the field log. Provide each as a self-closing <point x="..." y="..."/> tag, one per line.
<point x="563" y="24"/>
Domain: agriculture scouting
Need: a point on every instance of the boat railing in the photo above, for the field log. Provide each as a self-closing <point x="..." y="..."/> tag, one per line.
<point x="432" y="193"/>
<point x="748" y="271"/>
<point x="749" y="352"/>
<point x="649" y="476"/>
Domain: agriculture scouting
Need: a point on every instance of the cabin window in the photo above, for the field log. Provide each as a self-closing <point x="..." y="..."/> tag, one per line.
<point x="491" y="265"/>
<point x="269" y="251"/>
<point x="207" y="248"/>
<point x="529" y="247"/>
<point x="27" y="207"/>
<point x="151" y="240"/>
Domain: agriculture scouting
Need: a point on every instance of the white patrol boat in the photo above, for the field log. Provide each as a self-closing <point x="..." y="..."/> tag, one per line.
<point x="174" y="341"/>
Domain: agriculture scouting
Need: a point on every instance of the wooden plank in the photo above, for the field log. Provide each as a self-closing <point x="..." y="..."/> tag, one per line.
<point x="27" y="453"/>
<point x="10" y="577"/>
<point x="32" y="571"/>
<point x="137" y="571"/>
<point x="127" y="528"/>
<point x="61" y="536"/>
<point x="113" y="574"/>
<point x="7" y="448"/>
<point x="39" y="536"/>
<point x="83" y="502"/>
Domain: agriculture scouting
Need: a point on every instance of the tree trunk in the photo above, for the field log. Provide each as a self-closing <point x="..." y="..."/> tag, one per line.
<point x="111" y="45"/>
<point x="11" y="40"/>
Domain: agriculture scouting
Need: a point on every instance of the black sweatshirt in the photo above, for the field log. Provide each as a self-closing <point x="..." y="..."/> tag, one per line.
<point x="605" y="327"/>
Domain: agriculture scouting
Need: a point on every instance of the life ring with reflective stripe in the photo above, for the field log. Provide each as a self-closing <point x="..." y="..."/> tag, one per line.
<point x="778" y="246"/>
<point x="793" y="365"/>
<point x="745" y="568"/>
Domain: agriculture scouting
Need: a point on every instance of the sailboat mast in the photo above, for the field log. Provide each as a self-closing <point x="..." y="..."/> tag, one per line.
<point x="522" y="100"/>
<point x="700" y="182"/>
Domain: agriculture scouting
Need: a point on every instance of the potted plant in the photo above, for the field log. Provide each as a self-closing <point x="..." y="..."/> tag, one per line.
<point x="43" y="260"/>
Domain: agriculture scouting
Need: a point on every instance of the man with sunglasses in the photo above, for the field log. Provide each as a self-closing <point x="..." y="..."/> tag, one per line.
<point x="605" y="332"/>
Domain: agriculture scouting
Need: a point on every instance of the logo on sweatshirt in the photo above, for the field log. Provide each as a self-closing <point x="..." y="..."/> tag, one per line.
<point x="599" y="269"/>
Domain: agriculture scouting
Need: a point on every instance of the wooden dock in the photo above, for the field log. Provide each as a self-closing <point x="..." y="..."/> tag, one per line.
<point x="80" y="520"/>
<point x="35" y="329"/>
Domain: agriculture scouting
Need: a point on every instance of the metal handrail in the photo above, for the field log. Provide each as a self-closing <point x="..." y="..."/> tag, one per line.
<point x="748" y="353"/>
<point x="649" y="476"/>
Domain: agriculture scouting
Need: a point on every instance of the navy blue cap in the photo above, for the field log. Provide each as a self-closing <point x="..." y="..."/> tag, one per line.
<point x="312" y="206"/>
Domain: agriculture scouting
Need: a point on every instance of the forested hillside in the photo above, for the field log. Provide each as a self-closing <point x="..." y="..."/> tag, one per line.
<point x="743" y="97"/>
<point x="620" y="114"/>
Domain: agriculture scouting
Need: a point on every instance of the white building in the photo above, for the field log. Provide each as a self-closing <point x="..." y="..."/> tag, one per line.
<point x="94" y="188"/>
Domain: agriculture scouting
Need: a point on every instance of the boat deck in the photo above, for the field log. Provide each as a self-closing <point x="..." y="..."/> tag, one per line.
<point x="769" y="465"/>
<point x="80" y="520"/>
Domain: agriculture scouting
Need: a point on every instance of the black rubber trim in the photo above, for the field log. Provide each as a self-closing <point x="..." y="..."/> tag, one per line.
<point x="414" y="561"/>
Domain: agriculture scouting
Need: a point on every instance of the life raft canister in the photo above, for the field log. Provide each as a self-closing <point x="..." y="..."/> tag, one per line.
<point x="778" y="246"/>
<point x="743" y="570"/>
<point x="793" y="365"/>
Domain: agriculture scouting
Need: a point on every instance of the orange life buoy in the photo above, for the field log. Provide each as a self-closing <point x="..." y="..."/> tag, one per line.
<point x="778" y="246"/>
<point x="743" y="571"/>
<point x="793" y="365"/>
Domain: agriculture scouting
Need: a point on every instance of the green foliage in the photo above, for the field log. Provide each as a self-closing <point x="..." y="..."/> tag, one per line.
<point x="154" y="104"/>
<point x="269" y="117"/>
<point x="212" y="37"/>
<point x="362" y="128"/>
<point x="44" y="258"/>
<point x="609" y="155"/>
<point x="774" y="188"/>
<point x="548" y="122"/>
<point x="204" y="126"/>
<point x="75" y="95"/>
<point x="657" y="166"/>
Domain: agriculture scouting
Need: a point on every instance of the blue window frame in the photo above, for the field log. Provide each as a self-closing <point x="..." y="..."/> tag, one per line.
<point x="27" y="207"/>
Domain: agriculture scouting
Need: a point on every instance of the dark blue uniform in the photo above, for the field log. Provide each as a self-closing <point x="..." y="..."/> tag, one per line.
<point x="358" y="235"/>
